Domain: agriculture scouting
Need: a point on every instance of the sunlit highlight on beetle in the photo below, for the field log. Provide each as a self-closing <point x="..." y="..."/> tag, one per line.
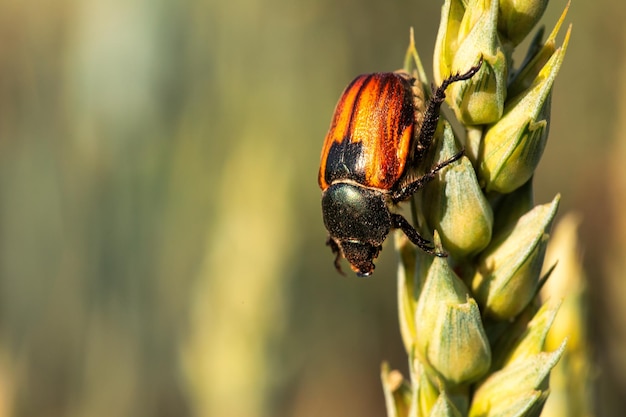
<point x="369" y="156"/>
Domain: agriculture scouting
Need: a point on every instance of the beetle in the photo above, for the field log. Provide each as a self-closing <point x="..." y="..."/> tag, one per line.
<point x="379" y="134"/>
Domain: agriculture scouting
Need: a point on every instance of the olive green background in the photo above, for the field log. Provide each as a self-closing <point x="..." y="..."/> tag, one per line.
<point x="161" y="244"/>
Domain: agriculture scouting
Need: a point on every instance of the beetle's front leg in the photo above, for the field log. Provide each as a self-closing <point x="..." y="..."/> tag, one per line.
<point x="399" y="222"/>
<point x="337" y="252"/>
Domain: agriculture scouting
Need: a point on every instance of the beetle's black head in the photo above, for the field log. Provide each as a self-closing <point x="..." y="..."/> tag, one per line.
<point x="358" y="221"/>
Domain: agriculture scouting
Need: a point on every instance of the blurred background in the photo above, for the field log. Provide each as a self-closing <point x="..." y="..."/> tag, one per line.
<point x="161" y="243"/>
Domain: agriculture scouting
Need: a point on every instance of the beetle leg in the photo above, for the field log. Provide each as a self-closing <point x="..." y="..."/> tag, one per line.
<point x="399" y="222"/>
<point x="337" y="252"/>
<point x="410" y="188"/>
<point x="431" y="116"/>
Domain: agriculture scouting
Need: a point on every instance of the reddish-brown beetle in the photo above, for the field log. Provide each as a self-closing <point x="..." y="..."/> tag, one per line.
<point x="376" y="139"/>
